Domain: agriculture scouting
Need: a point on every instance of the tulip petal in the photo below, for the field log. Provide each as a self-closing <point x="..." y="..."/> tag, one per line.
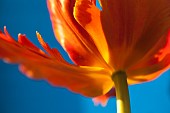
<point x="23" y="40"/>
<point x="73" y="38"/>
<point x="154" y="63"/>
<point x="140" y="78"/>
<point x="133" y="27"/>
<point x="88" y="16"/>
<point x="36" y="64"/>
<point x="52" y="52"/>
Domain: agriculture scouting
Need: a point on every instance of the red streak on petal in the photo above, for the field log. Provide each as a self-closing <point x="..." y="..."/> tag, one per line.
<point x="79" y="59"/>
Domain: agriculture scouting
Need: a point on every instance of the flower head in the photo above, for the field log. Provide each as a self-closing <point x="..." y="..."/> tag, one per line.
<point x="130" y="36"/>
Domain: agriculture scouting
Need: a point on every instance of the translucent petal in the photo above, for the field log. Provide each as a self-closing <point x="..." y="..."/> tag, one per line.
<point x="88" y="81"/>
<point x="88" y="16"/>
<point x="132" y="28"/>
<point x="74" y="39"/>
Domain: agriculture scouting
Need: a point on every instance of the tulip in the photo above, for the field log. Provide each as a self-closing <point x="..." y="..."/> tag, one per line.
<point x="126" y="42"/>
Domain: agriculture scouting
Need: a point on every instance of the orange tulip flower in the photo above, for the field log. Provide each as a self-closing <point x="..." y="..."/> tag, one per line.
<point x="129" y="36"/>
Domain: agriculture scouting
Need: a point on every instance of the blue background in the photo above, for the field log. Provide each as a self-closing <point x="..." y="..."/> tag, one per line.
<point x="18" y="94"/>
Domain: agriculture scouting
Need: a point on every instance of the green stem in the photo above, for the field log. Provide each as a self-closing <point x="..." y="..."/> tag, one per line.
<point x="122" y="93"/>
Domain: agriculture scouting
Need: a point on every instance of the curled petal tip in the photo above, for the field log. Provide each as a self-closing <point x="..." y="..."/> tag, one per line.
<point x="40" y="39"/>
<point x="5" y="30"/>
<point x="100" y="101"/>
<point x="37" y="32"/>
<point x="19" y="34"/>
<point x="38" y="35"/>
<point x="103" y="99"/>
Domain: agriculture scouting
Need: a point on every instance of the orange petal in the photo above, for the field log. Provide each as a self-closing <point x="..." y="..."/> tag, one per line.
<point x="88" y="16"/>
<point x="52" y="52"/>
<point x="133" y="27"/>
<point x="8" y="36"/>
<point x="89" y="81"/>
<point x="135" y="78"/>
<point x="74" y="39"/>
<point x="151" y="66"/>
<point x="157" y="60"/>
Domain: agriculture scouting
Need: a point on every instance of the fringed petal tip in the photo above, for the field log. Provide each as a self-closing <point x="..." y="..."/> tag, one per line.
<point x="36" y="64"/>
<point x="103" y="99"/>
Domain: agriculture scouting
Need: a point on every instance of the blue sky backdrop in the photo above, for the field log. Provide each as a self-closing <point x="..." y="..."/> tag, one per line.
<point x="18" y="94"/>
